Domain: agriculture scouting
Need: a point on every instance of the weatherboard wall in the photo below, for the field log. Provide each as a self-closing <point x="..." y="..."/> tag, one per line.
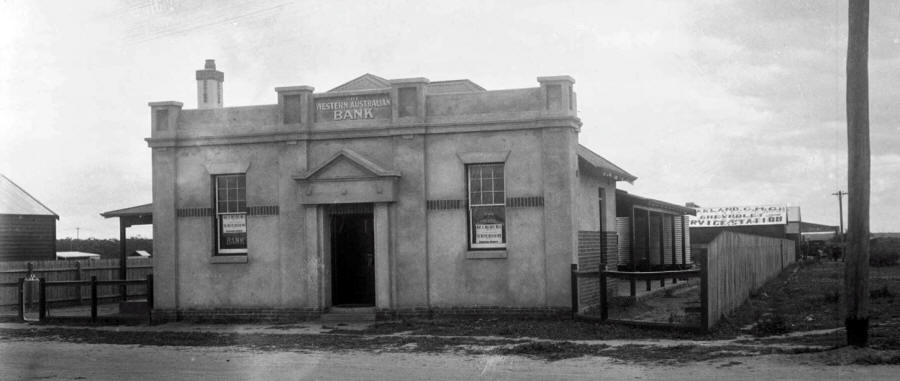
<point x="27" y="237"/>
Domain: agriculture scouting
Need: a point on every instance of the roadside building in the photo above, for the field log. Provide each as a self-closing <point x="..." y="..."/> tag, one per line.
<point x="653" y="234"/>
<point x="400" y="196"/>
<point x="27" y="227"/>
<point x="818" y="232"/>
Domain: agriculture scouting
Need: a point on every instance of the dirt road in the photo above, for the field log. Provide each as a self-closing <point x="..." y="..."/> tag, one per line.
<point x="50" y="360"/>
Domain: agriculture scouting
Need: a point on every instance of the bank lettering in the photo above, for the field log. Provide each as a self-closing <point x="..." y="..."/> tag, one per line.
<point x="353" y="108"/>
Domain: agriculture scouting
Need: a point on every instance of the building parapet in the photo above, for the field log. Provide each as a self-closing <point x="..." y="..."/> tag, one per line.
<point x="368" y="106"/>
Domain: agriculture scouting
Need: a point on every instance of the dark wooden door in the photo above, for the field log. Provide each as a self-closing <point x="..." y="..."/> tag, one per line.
<point x="353" y="260"/>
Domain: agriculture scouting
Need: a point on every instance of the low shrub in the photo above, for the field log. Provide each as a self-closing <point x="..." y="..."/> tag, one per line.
<point x="832" y="295"/>
<point x="882" y="292"/>
<point x="883" y="258"/>
<point x="884" y="252"/>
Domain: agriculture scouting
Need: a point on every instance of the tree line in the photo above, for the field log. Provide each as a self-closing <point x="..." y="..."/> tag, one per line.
<point x="107" y="248"/>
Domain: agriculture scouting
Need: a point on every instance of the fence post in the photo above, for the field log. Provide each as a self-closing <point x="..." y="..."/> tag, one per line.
<point x="149" y="292"/>
<point x="21" y="299"/>
<point x="42" y="299"/>
<point x="574" y="290"/>
<point x="603" y="300"/>
<point x="78" y="277"/>
<point x="93" y="298"/>
<point x="704" y="292"/>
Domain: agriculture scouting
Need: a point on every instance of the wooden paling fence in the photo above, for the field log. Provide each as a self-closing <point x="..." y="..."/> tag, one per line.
<point x="82" y="270"/>
<point x="731" y="267"/>
<point x="735" y="265"/>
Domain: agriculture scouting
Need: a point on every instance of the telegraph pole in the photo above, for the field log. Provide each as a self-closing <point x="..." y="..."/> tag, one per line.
<point x="856" y="272"/>
<point x="840" y="195"/>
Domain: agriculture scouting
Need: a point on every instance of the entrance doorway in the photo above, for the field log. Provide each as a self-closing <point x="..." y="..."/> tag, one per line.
<point x="352" y="256"/>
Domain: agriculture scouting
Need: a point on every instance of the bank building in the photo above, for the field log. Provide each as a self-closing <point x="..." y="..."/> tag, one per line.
<point x="379" y="197"/>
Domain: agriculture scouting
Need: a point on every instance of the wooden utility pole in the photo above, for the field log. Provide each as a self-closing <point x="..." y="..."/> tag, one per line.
<point x="840" y="195"/>
<point x="856" y="274"/>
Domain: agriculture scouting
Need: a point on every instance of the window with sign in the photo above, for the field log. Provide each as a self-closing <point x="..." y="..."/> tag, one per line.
<point x="487" y="206"/>
<point x="231" y="214"/>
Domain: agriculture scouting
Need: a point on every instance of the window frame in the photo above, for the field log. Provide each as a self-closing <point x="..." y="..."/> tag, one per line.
<point x="473" y="246"/>
<point x="217" y="220"/>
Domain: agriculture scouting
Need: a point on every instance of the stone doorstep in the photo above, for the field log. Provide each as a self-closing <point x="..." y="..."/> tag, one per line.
<point x="348" y="314"/>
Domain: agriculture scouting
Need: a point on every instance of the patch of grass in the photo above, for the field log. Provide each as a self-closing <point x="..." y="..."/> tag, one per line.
<point x="872" y="359"/>
<point x="769" y="325"/>
<point x="552" y="351"/>
<point x="833" y="295"/>
<point x="551" y="329"/>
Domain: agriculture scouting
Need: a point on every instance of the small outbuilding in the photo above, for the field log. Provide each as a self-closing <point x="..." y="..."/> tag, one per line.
<point x="27" y="226"/>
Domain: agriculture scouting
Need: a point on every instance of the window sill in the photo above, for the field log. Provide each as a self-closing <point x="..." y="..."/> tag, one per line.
<point x="485" y="254"/>
<point x="242" y="258"/>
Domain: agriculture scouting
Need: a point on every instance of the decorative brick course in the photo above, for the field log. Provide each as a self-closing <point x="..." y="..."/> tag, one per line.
<point x="263" y="210"/>
<point x="445" y="204"/>
<point x="525" y="202"/>
<point x="193" y="212"/>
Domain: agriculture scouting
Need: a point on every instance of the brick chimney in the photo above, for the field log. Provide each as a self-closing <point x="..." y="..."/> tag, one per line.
<point x="209" y="86"/>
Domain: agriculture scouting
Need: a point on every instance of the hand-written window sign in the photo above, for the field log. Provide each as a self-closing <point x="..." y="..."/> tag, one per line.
<point x="488" y="233"/>
<point x="740" y="216"/>
<point x="375" y="106"/>
<point x="234" y="223"/>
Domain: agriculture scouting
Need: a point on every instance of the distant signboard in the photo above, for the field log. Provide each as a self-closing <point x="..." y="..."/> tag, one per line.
<point x="740" y="216"/>
<point x="357" y="107"/>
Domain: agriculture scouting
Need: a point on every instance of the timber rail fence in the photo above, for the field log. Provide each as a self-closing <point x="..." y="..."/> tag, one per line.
<point x="79" y="274"/>
<point x="732" y="266"/>
<point x="93" y="285"/>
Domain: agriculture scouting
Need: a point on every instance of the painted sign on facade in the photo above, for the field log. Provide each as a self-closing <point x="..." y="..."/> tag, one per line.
<point x="739" y="216"/>
<point x="357" y="107"/>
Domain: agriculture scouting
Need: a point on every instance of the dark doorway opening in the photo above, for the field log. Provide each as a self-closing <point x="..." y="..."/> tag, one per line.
<point x="352" y="259"/>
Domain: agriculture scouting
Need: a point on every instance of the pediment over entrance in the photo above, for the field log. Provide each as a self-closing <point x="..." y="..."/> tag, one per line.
<point x="347" y="177"/>
<point x="346" y="164"/>
<point x="364" y="82"/>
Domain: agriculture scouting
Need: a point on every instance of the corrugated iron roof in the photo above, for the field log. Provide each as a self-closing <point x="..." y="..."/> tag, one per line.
<point x="15" y="200"/>
<point x="656" y="204"/>
<point x="140" y="210"/>
<point x="605" y="167"/>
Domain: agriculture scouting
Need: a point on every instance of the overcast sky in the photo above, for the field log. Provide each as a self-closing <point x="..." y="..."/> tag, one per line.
<point x="720" y="103"/>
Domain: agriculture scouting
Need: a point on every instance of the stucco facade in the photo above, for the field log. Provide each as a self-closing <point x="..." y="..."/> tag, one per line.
<point x="396" y="156"/>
